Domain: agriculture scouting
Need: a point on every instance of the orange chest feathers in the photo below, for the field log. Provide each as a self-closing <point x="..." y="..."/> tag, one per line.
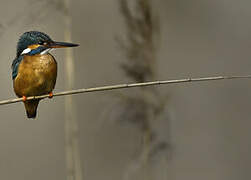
<point x="36" y="75"/>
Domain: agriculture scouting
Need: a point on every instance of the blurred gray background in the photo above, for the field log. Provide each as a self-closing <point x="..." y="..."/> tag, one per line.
<point x="206" y="124"/>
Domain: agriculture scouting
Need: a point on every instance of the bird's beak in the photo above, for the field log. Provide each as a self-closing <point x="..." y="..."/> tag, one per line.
<point x="62" y="45"/>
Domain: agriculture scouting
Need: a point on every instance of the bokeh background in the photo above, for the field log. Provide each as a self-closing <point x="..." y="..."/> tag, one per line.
<point x="203" y="132"/>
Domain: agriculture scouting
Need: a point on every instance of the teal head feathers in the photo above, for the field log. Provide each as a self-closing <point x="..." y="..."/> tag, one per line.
<point x="32" y="43"/>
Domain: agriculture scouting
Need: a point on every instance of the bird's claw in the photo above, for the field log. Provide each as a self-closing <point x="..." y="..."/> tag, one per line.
<point x="24" y="98"/>
<point x="50" y="95"/>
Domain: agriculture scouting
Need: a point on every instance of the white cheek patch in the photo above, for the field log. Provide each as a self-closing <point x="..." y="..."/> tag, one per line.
<point x="27" y="50"/>
<point x="45" y="51"/>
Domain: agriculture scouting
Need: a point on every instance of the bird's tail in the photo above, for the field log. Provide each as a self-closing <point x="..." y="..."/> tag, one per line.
<point x="31" y="108"/>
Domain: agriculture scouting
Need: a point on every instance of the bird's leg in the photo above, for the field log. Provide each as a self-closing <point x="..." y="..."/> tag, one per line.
<point x="24" y="98"/>
<point x="50" y="95"/>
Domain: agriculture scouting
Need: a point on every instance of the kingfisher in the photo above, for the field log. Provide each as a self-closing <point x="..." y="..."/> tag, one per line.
<point x="34" y="70"/>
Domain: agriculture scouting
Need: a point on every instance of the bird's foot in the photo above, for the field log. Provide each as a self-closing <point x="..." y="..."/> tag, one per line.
<point x="50" y="95"/>
<point x="24" y="98"/>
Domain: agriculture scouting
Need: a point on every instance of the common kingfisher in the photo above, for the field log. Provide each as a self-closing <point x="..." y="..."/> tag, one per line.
<point x="34" y="70"/>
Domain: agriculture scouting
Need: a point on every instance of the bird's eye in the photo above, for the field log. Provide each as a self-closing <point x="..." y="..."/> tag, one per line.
<point x="42" y="43"/>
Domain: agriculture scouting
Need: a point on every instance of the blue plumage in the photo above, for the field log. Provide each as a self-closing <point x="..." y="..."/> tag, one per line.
<point x="27" y="39"/>
<point x="37" y="50"/>
<point x="15" y="65"/>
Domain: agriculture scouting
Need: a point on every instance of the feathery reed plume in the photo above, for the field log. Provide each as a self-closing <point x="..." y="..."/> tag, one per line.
<point x="145" y="105"/>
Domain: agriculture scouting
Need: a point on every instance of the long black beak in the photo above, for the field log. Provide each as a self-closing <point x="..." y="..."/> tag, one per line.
<point x="62" y="45"/>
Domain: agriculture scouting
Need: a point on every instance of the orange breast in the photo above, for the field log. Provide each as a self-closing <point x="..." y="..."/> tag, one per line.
<point x="36" y="75"/>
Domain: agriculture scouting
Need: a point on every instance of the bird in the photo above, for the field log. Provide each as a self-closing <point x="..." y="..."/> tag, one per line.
<point x="34" y="69"/>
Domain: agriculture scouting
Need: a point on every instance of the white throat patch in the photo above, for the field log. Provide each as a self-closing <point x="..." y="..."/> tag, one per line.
<point x="45" y="51"/>
<point x="27" y="50"/>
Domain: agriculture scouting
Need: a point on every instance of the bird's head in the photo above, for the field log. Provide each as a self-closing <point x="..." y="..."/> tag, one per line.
<point x="34" y="42"/>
